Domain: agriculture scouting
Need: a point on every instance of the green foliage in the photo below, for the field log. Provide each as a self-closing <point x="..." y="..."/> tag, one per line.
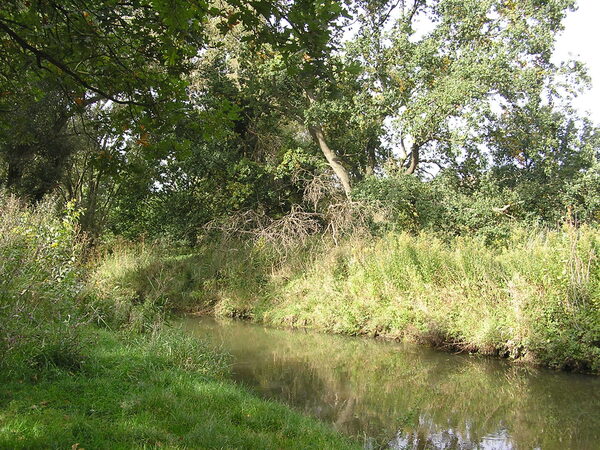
<point x="178" y="117"/>
<point x="411" y="202"/>
<point x="442" y="206"/>
<point x="126" y="52"/>
<point x="464" y="201"/>
<point x="39" y="285"/>
<point x="134" y="286"/>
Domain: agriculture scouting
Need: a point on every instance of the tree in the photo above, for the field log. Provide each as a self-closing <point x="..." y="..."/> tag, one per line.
<point x="71" y="54"/>
<point x="236" y="105"/>
<point x="34" y="141"/>
<point x="416" y="82"/>
<point x="549" y="157"/>
<point x="439" y="70"/>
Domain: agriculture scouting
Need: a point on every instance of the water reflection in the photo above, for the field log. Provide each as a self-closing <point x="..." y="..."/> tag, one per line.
<point x="404" y="396"/>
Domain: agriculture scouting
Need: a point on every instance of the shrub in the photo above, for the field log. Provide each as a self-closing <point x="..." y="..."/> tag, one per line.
<point x="39" y="285"/>
<point x="441" y="206"/>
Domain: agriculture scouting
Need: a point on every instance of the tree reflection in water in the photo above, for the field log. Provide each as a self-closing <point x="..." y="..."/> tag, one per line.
<point x="406" y="396"/>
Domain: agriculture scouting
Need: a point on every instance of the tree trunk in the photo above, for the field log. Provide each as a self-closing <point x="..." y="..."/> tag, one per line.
<point x="332" y="158"/>
<point x="316" y="131"/>
<point x="414" y="160"/>
<point x="371" y="158"/>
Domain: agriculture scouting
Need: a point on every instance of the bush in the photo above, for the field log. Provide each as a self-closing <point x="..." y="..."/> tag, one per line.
<point x="39" y="283"/>
<point x="441" y="206"/>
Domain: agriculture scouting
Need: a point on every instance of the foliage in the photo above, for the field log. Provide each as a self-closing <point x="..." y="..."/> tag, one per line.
<point x="134" y="284"/>
<point x="176" y="118"/>
<point x="125" y="52"/>
<point x="39" y="285"/>
<point x="534" y="299"/>
<point x="464" y="203"/>
<point x="550" y="160"/>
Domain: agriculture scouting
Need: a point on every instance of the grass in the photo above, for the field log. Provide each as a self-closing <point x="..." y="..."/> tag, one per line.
<point x="145" y="394"/>
<point x="65" y="382"/>
<point x="535" y="299"/>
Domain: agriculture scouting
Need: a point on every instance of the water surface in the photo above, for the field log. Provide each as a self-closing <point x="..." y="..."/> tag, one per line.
<point x="395" y="395"/>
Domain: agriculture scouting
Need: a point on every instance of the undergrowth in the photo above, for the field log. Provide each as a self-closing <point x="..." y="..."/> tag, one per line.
<point x="40" y="281"/>
<point x="536" y="298"/>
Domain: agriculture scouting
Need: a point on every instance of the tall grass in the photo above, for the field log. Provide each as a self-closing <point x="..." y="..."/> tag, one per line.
<point x="536" y="298"/>
<point x="39" y="286"/>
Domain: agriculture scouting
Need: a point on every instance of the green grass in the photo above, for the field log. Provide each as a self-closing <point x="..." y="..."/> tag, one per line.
<point x="144" y="393"/>
<point x="536" y="298"/>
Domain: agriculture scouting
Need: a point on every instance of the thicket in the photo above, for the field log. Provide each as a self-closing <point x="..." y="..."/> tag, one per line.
<point x="40" y="283"/>
<point x="48" y="304"/>
<point x="487" y="205"/>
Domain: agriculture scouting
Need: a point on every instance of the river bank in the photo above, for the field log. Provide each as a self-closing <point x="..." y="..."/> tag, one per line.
<point x="87" y="358"/>
<point x="164" y="391"/>
<point x="535" y="300"/>
<point x="75" y="375"/>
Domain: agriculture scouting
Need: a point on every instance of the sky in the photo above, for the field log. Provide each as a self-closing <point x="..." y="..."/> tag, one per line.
<point x="581" y="40"/>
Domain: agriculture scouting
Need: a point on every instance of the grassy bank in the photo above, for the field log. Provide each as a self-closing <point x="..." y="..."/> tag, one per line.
<point x="79" y="370"/>
<point x="150" y="392"/>
<point x="534" y="299"/>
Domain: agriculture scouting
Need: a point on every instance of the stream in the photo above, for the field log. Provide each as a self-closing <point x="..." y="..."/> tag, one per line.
<point x="405" y="396"/>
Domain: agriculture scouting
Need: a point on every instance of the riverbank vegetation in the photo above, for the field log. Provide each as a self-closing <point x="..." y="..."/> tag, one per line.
<point x="152" y="392"/>
<point x="75" y="376"/>
<point x="534" y="299"/>
<point x="319" y="164"/>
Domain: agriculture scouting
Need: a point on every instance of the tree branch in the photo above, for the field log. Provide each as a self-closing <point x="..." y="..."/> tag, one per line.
<point x="42" y="55"/>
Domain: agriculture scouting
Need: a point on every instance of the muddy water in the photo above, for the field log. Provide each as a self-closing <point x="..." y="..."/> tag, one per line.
<point x="395" y="395"/>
